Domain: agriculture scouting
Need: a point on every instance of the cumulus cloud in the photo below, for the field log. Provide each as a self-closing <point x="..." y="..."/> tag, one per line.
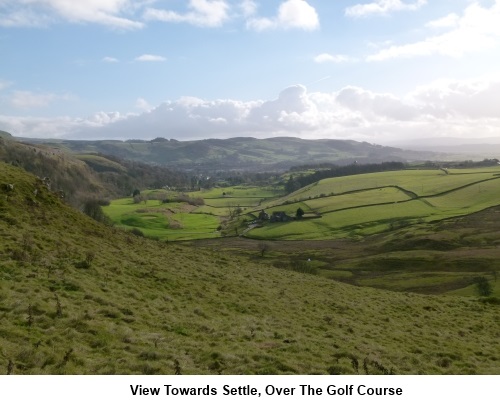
<point x="471" y="99"/>
<point x="150" y="58"/>
<point x="143" y="105"/>
<point x="476" y="30"/>
<point x="382" y="7"/>
<point x="203" y="13"/>
<point x="292" y="14"/>
<point x="442" y="108"/>
<point x="449" y="21"/>
<point x="35" y="13"/>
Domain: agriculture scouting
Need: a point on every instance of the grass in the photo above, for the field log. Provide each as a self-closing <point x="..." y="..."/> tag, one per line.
<point x="239" y="192"/>
<point x="165" y="221"/>
<point x="149" y="307"/>
<point x="352" y="207"/>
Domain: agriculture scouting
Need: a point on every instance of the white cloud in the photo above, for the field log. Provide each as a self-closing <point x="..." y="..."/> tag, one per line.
<point x="23" y="18"/>
<point x="326" y="57"/>
<point x="28" y="99"/>
<point x="442" y="108"/>
<point x="42" y="12"/>
<point x="248" y="7"/>
<point x="143" y="105"/>
<point x="298" y="14"/>
<point x="449" y="21"/>
<point x="56" y="127"/>
<point x="203" y="13"/>
<point x="382" y="7"/>
<point x="476" y="30"/>
<point x="472" y="99"/>
<point x="109" y="59"/>
<point x="150" y="58"/>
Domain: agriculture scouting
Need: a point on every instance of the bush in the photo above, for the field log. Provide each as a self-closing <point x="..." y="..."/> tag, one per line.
<point x="483" y="286"/>
<point x="301" y="266"/>
<point x="93" y="209"/>
<point x="137" y="232"/>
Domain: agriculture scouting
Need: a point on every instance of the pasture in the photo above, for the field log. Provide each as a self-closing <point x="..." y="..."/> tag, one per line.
<point x="164" y="221"/>
<point x="357" y="206"/>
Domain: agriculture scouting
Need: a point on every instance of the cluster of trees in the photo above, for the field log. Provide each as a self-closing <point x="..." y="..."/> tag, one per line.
<point x="166" y="198"/>
<point x="296" y="182"/>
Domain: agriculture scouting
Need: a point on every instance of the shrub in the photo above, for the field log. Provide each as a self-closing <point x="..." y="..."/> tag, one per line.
<point x="92" y="208"/>
<point x="137" y="232"/>
<point x="483" y="286"/>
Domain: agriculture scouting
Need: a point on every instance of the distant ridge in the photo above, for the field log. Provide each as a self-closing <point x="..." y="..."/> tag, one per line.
<point x="245" y="153"/>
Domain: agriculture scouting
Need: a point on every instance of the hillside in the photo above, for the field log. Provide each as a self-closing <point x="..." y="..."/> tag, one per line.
<point x="82" y="177"/>
<point x="365" y="204"/>
<point x="77" y="297"/>
<point x="243" y="153"/>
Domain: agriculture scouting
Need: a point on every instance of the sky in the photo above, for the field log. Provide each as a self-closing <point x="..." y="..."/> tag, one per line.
<point x="381" y="71"/>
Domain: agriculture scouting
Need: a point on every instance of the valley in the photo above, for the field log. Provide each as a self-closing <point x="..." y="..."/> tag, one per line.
<point x="380" y="275"/>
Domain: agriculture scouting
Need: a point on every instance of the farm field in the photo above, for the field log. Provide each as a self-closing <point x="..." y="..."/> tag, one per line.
<point x="183" y="220"/>
<point x="238" y="192"/>
<point x="343" y="207"/>
<point x="393" y="230"/>
<point x="443" y="257"/>
<point x="169" y="221"/>
<point x="352" y="207"/>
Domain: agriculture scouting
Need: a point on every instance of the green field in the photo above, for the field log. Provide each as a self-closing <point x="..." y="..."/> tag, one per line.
<point x="406" y="207"/>
<point x="366" y="204"/>
<point x="170" y="221"/>
<point x="238" y="192"/>
<point x="351" y="206"/>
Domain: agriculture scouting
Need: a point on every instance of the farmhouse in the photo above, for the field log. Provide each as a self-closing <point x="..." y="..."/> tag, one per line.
<point x="280" y="216"/>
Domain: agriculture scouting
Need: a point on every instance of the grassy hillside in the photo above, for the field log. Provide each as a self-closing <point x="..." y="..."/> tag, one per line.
<point x="83" y="177"/>
<point x="366" y="204"/>
<point x="77" y="297"/>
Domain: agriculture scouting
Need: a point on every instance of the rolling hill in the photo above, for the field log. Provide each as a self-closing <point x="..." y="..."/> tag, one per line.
<point x="248" y="154"/>
<point x="77" y="297"/>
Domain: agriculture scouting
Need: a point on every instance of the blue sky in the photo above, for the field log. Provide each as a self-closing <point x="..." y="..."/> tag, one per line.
<point x="373" y="70"/>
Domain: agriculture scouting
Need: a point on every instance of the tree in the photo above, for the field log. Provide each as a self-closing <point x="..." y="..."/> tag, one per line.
<point x="483" y="286"/>
<point x="300" y="213"/>
<point x="136" y="192"/>
<point x="93" y="209"/>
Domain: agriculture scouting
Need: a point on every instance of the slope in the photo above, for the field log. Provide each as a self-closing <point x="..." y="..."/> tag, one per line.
<point x="82" y="177"/>
<point x="77" y="297"/>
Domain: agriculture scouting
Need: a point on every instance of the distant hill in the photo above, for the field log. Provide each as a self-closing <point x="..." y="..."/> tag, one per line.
<point x="249" y="154"/>
<point x="480" y="148"/>
<point x="77" y="297"/>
